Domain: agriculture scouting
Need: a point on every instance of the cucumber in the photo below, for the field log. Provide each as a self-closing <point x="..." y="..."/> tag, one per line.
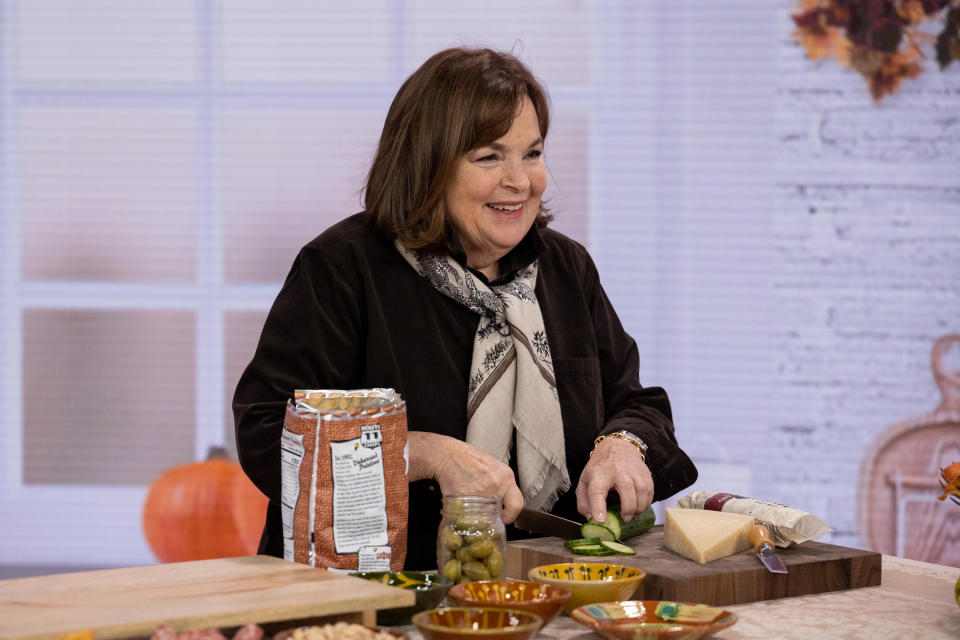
<point x="618" y="548"/>
<point x="599" y="531"/>
<point x="616" y="527"/>
<point x="592" y="550"/>
<point x="569" y="544"/>
<point x="641" y="524"/>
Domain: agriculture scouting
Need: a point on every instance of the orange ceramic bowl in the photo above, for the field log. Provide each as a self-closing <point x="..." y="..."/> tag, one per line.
<point x="466" y="623"/>
<point x="590" y="582"/>
<point x="545" y="600"/>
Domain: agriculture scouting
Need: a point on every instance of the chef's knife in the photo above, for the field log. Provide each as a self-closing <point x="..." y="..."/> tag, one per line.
<point x="763" y="545"/>
<point x="547" y="524"/>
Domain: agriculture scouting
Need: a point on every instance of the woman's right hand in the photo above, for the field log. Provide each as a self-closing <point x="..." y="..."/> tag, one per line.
<point x="462" y="469"/>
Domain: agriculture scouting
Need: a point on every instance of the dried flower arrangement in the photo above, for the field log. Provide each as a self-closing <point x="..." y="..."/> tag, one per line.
<point x="880" y="39"/>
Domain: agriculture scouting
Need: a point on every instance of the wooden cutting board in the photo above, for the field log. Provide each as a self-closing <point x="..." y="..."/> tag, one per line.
<point x="228" y="592"/>
<point x="814" y="567"/>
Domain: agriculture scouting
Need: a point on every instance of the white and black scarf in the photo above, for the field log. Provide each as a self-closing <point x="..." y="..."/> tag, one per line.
<point x="512" y="385"/>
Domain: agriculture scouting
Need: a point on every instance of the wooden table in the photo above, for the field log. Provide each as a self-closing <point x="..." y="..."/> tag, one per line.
<point x="914" y="601"/>
<point x="225" y="593"/>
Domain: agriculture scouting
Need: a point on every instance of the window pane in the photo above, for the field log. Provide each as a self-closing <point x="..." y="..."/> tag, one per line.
<point x="109" y="396"/>
<point x="285" y="177"/>
<point x="107" y="194"/>
<point x="241" y="334"/>
<point x="305" y="41"/>
<point x="106" y="41"/>
<point x="568" y="163"/>
<point x="555" y="34"/>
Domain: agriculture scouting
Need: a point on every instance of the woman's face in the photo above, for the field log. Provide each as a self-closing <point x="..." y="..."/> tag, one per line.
<point x="495" y="193"/>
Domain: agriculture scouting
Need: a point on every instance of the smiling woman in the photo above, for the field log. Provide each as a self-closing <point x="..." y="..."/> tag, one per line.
<point x="495" y="329"/>
<point x="495" y="193"/>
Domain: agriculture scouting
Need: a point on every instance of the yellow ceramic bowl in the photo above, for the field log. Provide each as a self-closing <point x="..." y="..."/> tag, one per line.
<point x="590" y="582"/>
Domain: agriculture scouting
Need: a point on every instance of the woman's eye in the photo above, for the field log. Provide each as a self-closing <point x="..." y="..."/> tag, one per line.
<point x="487" y="158"/>
<point x="534" y="153"/>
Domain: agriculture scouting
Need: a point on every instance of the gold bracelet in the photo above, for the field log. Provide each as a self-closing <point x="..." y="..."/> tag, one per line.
<point x="629" y="437"/>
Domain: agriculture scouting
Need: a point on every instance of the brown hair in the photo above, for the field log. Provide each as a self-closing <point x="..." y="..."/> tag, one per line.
<point x="458" y="100"/>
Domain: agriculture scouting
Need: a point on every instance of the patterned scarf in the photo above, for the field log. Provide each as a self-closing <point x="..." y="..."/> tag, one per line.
<point x="512" y="385"/>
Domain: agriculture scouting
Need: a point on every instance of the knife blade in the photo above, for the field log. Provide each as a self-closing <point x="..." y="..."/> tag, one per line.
<point x="547" y="524"/>
<point x="763" y="546"/>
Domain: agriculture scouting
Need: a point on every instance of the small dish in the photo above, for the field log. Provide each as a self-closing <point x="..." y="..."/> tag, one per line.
<point x="429" y="590"/>
<point x="641" y="620"/>
<point x="466" y="623"/>
<point x="590" y="582"/>
<point x="545" y="600"/>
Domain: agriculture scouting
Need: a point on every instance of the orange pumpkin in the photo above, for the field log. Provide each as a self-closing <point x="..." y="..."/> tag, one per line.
<point x="204" y="510"/>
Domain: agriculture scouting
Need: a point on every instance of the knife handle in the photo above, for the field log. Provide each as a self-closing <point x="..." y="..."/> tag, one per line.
<point x="759" y="536"/>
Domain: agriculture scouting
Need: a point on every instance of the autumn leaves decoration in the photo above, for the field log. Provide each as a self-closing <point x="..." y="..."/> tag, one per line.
<point x="883" y="40"/>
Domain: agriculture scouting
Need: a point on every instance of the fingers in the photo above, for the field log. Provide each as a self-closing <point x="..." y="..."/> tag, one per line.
<point x="512" y="503"/>
<point x="466" y="470"/>
<point x="617" y="466"/>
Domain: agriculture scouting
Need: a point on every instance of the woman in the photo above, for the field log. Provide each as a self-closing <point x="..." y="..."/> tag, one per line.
<point x="451" y="289"/>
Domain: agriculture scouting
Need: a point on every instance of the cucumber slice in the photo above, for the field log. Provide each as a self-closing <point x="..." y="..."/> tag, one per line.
<point x="569" y="544"/>
<point x="614" y="523"/>
<point x="618" y="548"/>
<point x="592" y="550"/>
<point x="594" y="530"/>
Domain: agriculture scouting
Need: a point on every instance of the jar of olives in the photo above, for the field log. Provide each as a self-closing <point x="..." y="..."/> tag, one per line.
<point x="472" y="541"/>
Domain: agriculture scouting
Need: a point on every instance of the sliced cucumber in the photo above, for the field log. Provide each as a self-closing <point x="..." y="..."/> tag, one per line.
<point x="569" y="544"/>
<point x="594" y="530"/>
<point x="618" y="548"/>
<point x="615" y="528"/>
<point x="592" y="550"/>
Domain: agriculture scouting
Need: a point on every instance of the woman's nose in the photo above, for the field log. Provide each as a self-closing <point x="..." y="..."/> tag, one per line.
<point x="515" y="176"/>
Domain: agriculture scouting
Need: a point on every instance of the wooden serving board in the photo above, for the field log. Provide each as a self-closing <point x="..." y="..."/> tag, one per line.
<point x="814" y="567"/>
<point x="228" y="592"/>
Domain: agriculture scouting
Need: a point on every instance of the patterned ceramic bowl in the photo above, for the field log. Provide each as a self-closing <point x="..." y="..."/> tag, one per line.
<point x="590" y="582"/>
<point x="545" y="600"/>
<point x="429" y="589"/>
<point x="653" y="620"/>
<point x="466" y="623"/>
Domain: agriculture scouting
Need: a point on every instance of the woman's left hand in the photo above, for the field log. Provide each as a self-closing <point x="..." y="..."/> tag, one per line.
<point x="614" y="464"/>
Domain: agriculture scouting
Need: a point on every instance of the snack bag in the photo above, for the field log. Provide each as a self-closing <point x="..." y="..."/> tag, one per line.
<point x="344" y="479"/>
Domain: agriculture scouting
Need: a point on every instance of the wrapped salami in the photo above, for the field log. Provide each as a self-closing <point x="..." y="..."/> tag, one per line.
<point x="344" y="479"/>
<point x="786" y="524"/>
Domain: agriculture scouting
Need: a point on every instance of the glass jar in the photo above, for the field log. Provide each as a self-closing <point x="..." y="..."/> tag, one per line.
<point x="471" y="541"/>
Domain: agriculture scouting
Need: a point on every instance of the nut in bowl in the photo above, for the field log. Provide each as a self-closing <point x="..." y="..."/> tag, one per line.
<point x="590" y="582"/>
<point x="464" y="623"/>
<point x="429" y="590"/>
<point x="545" y="600"/>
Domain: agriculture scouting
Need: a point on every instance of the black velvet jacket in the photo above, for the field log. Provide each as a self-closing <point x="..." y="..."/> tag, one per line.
<point x="353" y="314"/>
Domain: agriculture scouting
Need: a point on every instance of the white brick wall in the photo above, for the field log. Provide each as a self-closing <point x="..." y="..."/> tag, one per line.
<point x="867" y="239"/>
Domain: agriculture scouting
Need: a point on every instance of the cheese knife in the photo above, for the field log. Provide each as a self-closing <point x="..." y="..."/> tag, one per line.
<point x="547" y="524"/>
<point x="763" y="546"/>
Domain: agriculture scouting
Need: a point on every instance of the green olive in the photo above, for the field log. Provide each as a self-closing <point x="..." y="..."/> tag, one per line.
<point x="452" y="569"/>
<point x="481" y="548"/>
<point x="463" y="554"/>
<point x="451" y="539"/>
<point x="476" y="570"/>
<point x="494" y="563"/>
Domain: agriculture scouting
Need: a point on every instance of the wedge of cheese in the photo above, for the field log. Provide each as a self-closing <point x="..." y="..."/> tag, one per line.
<point x="704" y="535"/>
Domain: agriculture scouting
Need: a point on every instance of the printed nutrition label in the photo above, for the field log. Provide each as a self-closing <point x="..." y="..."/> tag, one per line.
<point x="291" y="456"/>
<point x="359" y="492"/>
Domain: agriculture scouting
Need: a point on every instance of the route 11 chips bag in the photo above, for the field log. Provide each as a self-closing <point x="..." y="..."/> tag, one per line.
<point x="344" y="479"/>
